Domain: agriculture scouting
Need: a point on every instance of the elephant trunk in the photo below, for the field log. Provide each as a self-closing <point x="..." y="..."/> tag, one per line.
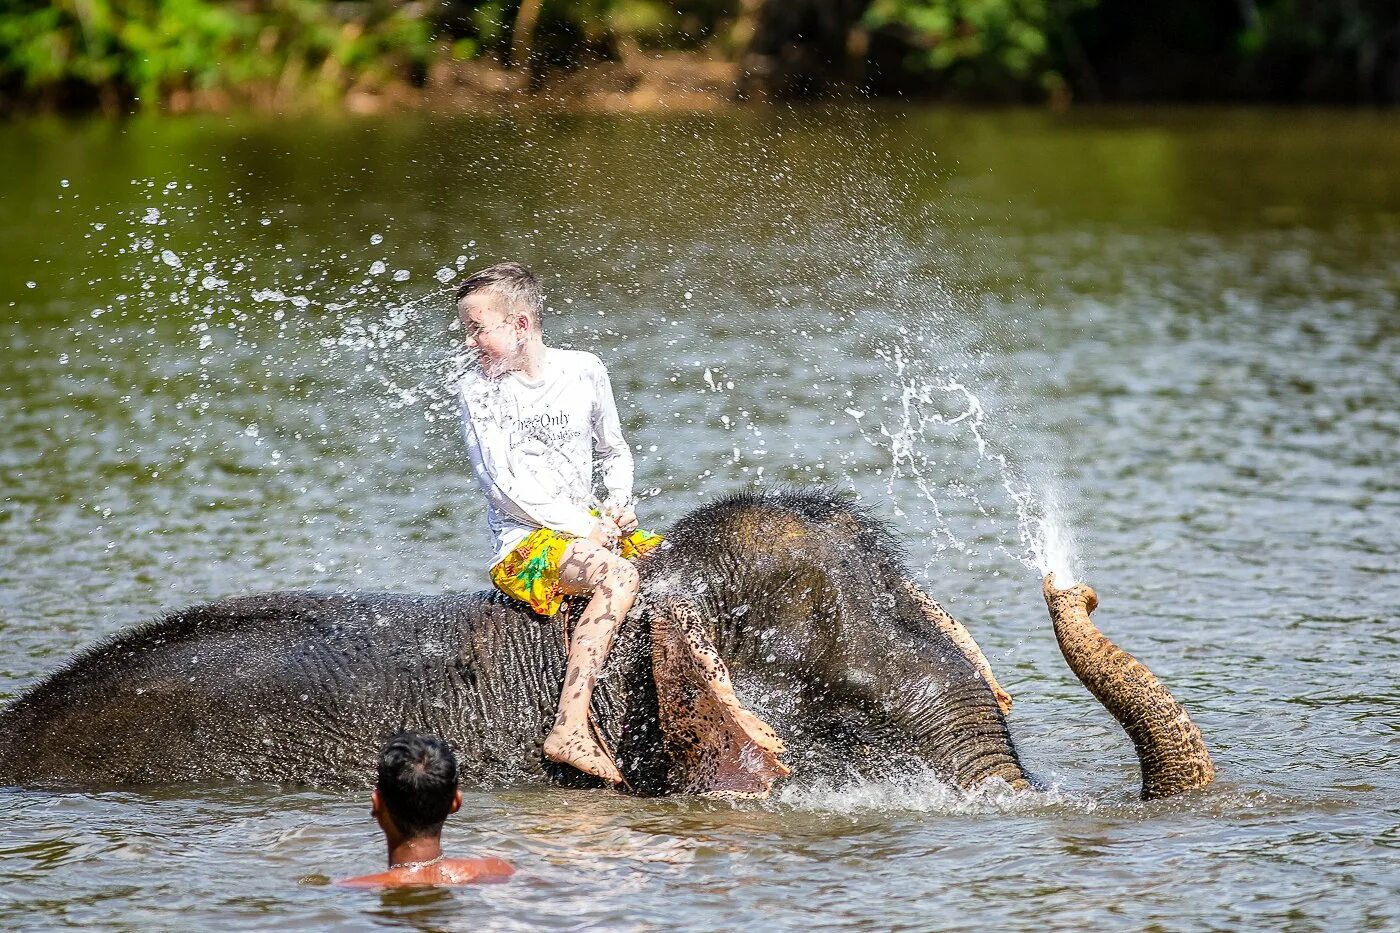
<point x="1169" y="746"/>
<point x="961" y="727"/>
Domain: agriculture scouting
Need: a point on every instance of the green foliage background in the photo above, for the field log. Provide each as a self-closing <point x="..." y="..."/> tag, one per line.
<point x="978" y="43"/>
<point x="115" y="53"/>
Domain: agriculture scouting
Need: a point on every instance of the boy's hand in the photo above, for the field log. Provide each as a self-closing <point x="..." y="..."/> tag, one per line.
<point x="605" y="533"/>
<point x="625" y="517"/>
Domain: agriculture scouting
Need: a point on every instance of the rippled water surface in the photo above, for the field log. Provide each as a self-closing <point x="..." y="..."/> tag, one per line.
<point x="1171" y="337"/>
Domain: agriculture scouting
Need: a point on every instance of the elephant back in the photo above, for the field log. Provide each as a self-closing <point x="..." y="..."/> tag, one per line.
<point x="291" y="687"/>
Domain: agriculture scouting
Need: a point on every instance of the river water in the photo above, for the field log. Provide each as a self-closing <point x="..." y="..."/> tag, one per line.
<point x="1170" y="339"/>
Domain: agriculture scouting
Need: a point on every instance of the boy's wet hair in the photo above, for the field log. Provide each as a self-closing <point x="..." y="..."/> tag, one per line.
<point x="417" y="781"/>
<point x="513" y="282"/>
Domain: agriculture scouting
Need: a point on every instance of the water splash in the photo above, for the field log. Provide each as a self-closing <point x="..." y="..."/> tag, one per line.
<point x="919" y="790"/>
<point x="1052" y="543"/>
<point x="390" y="345"/>
<point x="355" y="363"/>
<point x="939" y="408"/>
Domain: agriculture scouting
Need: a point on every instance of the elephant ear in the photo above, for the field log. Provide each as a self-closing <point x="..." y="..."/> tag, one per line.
<point x="714" y="744"/>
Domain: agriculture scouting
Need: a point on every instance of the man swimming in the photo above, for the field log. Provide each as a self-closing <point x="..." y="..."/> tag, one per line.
<point x="415" y="792"/>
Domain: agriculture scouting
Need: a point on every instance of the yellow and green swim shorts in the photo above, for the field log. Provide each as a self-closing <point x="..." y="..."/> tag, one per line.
<point x="530" y="573"/>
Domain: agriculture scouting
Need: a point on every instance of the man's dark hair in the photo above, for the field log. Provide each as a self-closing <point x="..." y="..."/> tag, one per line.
<point x="513" y="282"/>
<point x="417" y="780"/>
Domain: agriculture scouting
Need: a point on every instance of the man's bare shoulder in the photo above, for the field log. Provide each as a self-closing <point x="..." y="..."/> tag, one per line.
<point x="448" y="871"/>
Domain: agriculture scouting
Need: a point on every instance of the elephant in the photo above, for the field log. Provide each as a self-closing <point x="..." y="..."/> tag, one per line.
<point x="798" y="601"/>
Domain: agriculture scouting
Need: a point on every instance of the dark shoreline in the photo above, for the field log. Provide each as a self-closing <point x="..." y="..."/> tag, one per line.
<point x="676" y="82"/>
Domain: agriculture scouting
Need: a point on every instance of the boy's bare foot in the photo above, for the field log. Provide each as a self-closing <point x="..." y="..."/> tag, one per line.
<point x="577" y="747"/>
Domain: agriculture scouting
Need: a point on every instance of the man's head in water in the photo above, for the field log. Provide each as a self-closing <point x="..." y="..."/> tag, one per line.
<point x="415" y="793"/>
<point x="416" y="789"/>
<point x="501" y="308"/>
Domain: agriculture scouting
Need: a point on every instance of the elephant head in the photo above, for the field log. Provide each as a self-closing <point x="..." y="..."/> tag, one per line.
<point x="801" y="600"/>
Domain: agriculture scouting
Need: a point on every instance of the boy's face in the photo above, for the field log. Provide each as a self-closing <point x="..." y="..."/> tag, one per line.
<point x="493" y="330"/>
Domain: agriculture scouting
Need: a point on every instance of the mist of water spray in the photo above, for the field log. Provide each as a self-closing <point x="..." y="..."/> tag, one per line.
<point x="1052" y="542"/>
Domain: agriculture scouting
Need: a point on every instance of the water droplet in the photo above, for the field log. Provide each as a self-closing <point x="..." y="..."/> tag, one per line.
<point x="64" y="183"/>
<point x="377" y="267"/>
<point x="401" y="275"/>
<point x="376" y="239"/>
<point x="446" y="275"/>
<point x="170" y="259"/>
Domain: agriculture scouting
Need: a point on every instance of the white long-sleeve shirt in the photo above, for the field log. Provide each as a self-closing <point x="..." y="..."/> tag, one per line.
<point x="533" y="445"/>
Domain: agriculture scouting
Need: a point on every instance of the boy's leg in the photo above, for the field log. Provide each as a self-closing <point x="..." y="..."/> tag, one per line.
<point x="613" y="582"/>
